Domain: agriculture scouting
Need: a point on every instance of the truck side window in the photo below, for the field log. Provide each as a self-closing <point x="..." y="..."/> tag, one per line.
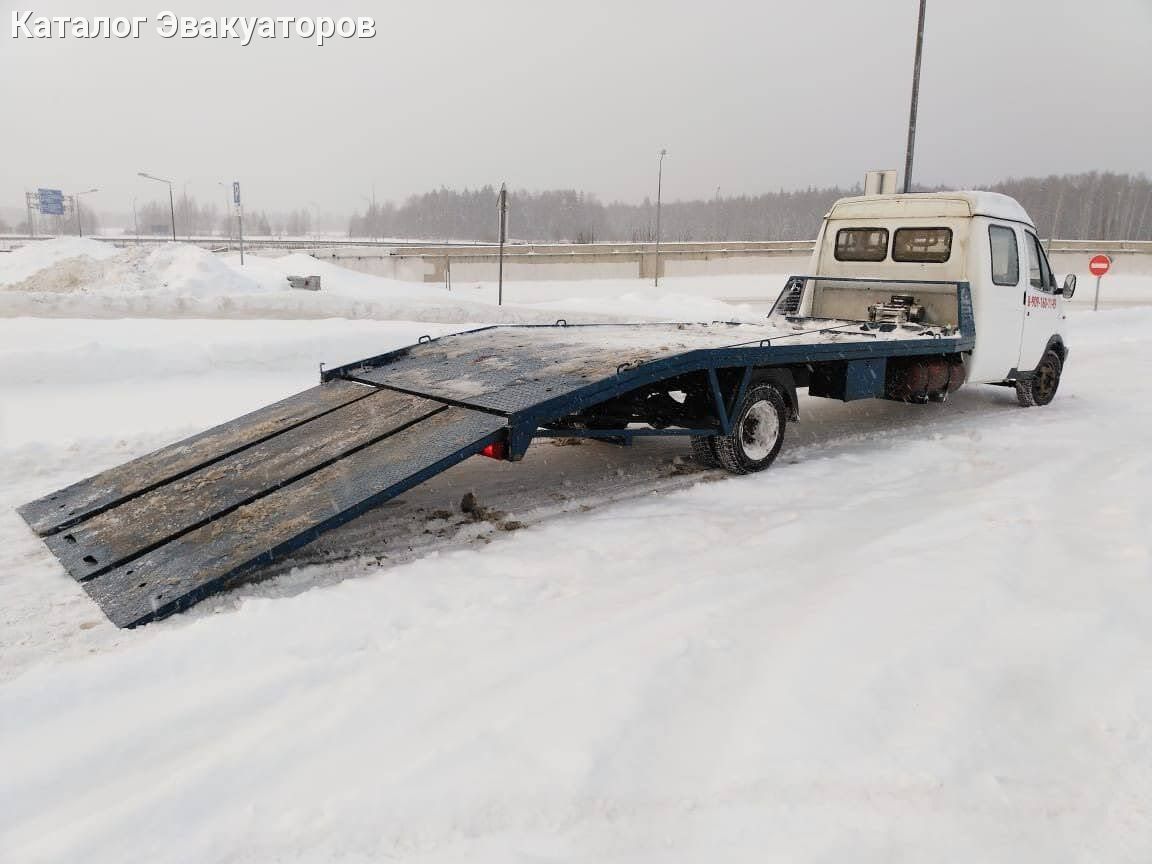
<point x="922" y="245"/>
<point x="1005" y="255"/>
<point x="861" y="244"/>
<point x="1039" y="276"/>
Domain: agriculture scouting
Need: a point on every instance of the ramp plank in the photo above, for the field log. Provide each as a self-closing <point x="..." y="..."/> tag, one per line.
<point x="145" y="521"/>
<point x="77" y="502"/>
<point x="177" y="574"/>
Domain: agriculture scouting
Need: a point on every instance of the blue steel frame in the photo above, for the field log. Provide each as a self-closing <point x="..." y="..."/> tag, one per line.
<point x="525" y="425"/>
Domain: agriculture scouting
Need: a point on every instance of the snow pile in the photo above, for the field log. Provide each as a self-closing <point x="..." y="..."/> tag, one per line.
<point x="175" y="269"/>
<point x="76" y="262"/>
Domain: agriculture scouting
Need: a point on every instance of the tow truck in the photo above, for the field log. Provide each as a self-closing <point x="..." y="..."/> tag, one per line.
<point x="908" y="297"/>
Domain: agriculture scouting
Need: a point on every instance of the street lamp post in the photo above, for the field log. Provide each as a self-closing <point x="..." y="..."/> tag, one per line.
<point x="171" y="200"/>
<point x="659" y="187"/>
<point x="76" y="202"/>
<point x="915" y="100"/>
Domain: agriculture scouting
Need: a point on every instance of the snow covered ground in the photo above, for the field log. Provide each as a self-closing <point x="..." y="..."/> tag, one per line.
<point x="925" y="634"/>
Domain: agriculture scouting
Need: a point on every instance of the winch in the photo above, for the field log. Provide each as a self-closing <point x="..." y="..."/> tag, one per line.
<point x="901" y="309"/>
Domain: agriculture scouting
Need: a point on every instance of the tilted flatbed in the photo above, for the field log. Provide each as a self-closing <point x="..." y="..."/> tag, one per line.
<point x="155" y="535"/>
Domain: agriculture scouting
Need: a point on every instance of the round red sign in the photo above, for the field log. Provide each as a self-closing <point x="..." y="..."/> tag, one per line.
<point x="1099" y="265"/>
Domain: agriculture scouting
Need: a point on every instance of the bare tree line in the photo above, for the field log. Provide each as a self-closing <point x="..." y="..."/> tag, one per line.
<point x="1090" y="206"/>
<point x="194" y="219"/>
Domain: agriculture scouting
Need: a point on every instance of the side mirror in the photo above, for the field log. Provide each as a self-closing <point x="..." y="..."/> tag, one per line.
<point x="1069" y="286"/>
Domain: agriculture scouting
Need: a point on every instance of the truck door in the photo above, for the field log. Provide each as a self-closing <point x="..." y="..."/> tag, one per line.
<point x="999" y="314"/>
<point x="1041" y="309"/>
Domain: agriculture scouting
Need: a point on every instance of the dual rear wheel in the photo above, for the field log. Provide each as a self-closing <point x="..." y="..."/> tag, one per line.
<point x="756" y="435"/>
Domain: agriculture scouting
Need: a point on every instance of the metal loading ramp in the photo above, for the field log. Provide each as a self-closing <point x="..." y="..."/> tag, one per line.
<point x="154" y="536"/>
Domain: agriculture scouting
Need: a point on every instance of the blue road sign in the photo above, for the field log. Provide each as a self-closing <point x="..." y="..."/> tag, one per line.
<point x="51" y="201"/>
<point x="236" y="192"/>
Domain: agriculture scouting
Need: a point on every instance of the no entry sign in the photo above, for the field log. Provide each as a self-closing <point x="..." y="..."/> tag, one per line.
<point x="1098" y="266"/>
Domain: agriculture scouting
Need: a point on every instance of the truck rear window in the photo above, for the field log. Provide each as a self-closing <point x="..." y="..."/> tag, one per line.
<point x="922" y="245"/>
<point x="861" y="244"/>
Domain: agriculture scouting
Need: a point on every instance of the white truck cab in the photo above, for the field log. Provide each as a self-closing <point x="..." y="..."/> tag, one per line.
<point x="982" y="238"/>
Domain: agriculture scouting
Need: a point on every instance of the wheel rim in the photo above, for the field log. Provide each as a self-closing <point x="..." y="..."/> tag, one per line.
<point x="1046" y="381"/>
<point x="759" y="430"/>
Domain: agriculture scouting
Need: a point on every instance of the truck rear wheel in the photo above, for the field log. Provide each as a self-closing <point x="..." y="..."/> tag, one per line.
<point x="757" y="431"/>
<point x="1041" y="388"/>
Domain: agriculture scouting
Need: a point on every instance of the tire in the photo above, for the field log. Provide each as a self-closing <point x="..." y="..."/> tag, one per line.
<point x="1041" y="388"/>
<point x="757" y="431"/>
<point x="704" y="451"/>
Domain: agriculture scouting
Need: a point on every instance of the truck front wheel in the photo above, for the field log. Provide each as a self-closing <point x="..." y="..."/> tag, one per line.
<point x="1041" y="388"/>
<point x="757" y="431"/>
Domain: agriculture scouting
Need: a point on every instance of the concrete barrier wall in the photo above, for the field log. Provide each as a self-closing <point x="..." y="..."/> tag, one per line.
<point x="1123" y="263"/>
<point x="559" y="262"/>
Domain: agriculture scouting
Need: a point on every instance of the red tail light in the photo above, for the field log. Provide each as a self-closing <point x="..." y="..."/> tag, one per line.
<point x="495" y="450"/>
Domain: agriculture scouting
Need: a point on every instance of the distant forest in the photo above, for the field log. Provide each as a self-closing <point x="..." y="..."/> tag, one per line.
<point x="1092" y="206"/>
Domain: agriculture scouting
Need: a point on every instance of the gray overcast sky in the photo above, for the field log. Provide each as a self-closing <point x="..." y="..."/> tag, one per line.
<point x="746" y="96"/>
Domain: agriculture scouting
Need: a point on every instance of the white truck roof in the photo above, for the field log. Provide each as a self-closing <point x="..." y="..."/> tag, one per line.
<point x="930" y="204"/>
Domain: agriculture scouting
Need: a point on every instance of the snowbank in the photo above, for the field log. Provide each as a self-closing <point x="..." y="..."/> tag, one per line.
<point x="176" y="269"/>
<point x="74" y="259"/>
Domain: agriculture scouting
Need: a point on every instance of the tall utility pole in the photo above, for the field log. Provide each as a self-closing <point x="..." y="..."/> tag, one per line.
<point x="915" y="100"/>
<point x="659" y="187"/>
<point x="502" y="206"/>
<point x="171" y="200"/>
